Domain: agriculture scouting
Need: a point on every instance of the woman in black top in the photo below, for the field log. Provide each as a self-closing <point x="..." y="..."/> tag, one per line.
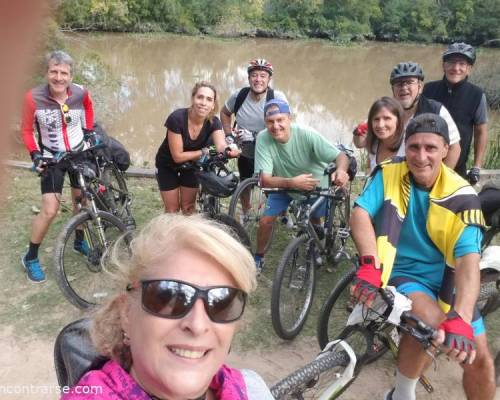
<point x="189" y="131"/>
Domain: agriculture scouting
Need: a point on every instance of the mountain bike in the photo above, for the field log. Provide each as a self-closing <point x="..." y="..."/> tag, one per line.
<point x="81" y="273"/>
<point x="341" y="360"/>
<point x="295" y="276"/>
<point x="216" y="182"/>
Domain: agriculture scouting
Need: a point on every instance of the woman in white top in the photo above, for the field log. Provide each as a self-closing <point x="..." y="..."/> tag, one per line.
<point x="384" y="137"/>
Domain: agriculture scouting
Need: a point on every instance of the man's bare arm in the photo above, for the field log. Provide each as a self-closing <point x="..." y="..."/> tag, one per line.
<point x="363" y="233"/>
<point x="467" y="280"/>
<point x="225" y="118"/>
<point x="480" y="143"/>
<point x="451" y="158"/>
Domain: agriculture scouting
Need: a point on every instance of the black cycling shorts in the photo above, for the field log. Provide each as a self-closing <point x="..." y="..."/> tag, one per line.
<point x="52" y="179"/>
<point x="170" y="179"/>
<point x="246" y="167"/>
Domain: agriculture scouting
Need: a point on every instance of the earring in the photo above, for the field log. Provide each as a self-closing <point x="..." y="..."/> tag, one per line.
<point x="125" y="338"/>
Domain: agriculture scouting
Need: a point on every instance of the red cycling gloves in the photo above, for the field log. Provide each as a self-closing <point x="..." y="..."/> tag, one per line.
<point x="368" y="279"/>
<point x="459" y="334"/>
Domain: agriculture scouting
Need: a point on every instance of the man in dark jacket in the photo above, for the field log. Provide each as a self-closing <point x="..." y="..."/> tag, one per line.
<point x="466" y="103"/>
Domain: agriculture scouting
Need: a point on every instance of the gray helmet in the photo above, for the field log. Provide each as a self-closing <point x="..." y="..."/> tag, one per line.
<point x="462" y="49"/>
<point x="406" y="70"/>
<point x="218" y="185"/>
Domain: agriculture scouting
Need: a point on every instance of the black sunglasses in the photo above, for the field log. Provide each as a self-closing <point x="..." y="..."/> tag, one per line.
<point x="66" y="115"/>
<point x="173" y="299"/>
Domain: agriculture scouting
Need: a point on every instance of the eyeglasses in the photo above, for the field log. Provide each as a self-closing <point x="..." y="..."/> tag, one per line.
<point x="173" y="299"/>
<point x="406" y="82"/>
<point x="460" y="63"/>
<point x="65" y="111"/>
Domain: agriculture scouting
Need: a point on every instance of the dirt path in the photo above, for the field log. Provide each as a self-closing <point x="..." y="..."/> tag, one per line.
<point x="28" y="366"/>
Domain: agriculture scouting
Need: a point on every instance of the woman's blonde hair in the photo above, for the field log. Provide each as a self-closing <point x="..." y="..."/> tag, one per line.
<point x="394" y="107"/>
<point x="161" y="238"/>
<point x="198" y="86"/>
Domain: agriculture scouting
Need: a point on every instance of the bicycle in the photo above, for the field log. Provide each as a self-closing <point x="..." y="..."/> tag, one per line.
<point x="216" y="182"/>
<point x="341" y="360"/>
<point x="295" y="276"/>
<point x="81" y="274"/>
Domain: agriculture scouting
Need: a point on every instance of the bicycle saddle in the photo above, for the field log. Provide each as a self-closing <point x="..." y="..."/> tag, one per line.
<point x="74" y="353"/>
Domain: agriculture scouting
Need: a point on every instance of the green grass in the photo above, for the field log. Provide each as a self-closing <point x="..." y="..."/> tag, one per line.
<point x="40" y="310"/>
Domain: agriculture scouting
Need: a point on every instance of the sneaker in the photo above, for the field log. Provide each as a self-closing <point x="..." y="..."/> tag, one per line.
<point x="259" y="264"/>
<point x="298" y="278"/>
<point x="82" y="247"/>
<point x="33" y="269"/>
<point x="388" y="395"/>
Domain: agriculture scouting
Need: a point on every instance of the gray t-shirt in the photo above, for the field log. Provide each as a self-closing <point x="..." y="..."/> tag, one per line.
<point x="250" y="116"/>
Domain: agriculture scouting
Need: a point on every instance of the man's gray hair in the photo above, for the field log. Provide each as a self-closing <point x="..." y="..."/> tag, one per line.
<point x="59" y="57"/>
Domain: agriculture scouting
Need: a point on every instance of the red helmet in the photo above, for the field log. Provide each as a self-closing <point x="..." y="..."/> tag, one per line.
<point x="260" y="64"/>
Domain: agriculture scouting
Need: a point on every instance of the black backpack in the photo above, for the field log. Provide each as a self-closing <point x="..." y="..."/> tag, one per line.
<point x="114" y="150"/>
<point x="242" y="95"/>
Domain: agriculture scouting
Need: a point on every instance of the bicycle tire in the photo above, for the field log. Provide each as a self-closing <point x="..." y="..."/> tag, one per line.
<point x="82" y="279"/>
<point x="307" y="377"/>
<point x="299" y="280"/>
<point x="116" y="196"/>
<point x="368" y="347"/>
<point x="235" y="227"/>
<point x="337" y="303"/>
<point x="488" y="300"/>
<point x="252" y="217"/>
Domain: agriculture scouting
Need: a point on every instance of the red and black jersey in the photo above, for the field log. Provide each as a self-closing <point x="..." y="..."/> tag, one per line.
<point x="45" y="125"/>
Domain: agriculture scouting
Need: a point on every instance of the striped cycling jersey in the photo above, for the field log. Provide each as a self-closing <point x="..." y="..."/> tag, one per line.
<point x="44" y="126"/>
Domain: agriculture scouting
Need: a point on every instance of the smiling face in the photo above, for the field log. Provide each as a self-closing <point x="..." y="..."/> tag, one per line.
<point x="424" y="154"/>
<point x="203" y="101"/>
<point x="278" y="126"/>
<point x="177" y="358"/>
<point x="259" y="81"/>
<point x="58" y="77"/>
<point x="456" y="68"/>
<point x="384" y="124"/>
<point x="406" y="90"/>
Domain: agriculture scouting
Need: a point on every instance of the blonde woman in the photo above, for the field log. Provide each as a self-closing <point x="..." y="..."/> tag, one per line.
<point x="189" y="132"/>
<point x="168" y="331"/>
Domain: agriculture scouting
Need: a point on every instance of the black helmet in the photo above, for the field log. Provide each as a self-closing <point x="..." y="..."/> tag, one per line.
<point x="462" y="49"/>
<point x="407" y="69"/>
<point x="218" y="185"/>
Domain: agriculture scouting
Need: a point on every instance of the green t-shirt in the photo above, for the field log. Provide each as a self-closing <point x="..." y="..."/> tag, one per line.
<point x="306" y="152"/>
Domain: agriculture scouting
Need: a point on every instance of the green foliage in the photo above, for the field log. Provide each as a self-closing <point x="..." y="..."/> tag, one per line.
<point x="475" y="21"/>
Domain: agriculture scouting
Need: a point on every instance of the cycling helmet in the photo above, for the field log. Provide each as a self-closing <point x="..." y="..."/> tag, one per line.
<point x="407" y="69"/>
<point x="462" y="49"/>
<point x="218" y="185"/>
<point x="260" y="64"/>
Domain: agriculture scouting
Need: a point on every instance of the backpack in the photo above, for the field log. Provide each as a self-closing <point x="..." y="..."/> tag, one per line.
<point x="242" y="95"/>
<point x="114" y="150"/>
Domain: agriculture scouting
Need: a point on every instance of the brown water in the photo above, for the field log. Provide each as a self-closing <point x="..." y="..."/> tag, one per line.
<point x="329" y="87"/>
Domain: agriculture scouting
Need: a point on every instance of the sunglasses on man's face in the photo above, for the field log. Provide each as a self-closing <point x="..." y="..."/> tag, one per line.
<point x="66" y="115"/>
<point x="173" y="299"/>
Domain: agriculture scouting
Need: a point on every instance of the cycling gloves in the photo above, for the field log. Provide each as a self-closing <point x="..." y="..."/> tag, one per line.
<point x="459" y="334"/>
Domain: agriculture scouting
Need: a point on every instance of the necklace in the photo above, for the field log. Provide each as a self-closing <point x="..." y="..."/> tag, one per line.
<point x="202" y="397"/>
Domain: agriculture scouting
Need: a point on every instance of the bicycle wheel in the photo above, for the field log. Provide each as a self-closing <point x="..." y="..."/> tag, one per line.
<point x="250" y="219"/>
<point x="332" y="323"/>
<point x="293" y="287"/>
<point x="237" y="230"/>
<point x="85" y="280"/>
<point x="116" y="196"/>
<point x="314" y="378"/>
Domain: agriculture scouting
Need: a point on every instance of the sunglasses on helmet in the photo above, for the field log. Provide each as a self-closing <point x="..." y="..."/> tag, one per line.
<point x="173" y="299"/>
